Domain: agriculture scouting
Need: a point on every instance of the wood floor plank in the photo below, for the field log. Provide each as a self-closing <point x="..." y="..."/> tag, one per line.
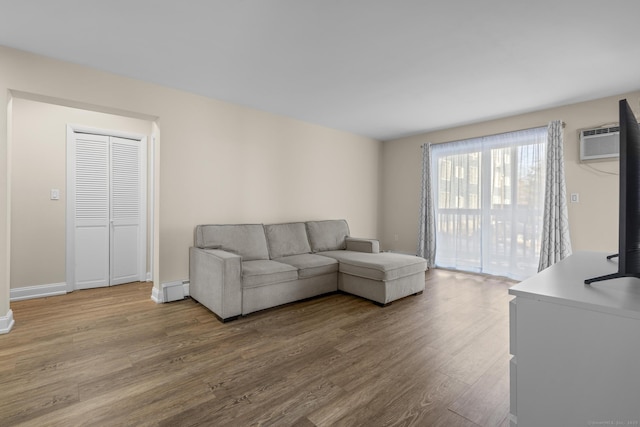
<point x="23" y="405"/>
<point x="111" y="356"/>
<point x="478" y="355"/>
<point x="407" y="406"/>
<point x="486" y="402"/>
<point x="442" y="417"/>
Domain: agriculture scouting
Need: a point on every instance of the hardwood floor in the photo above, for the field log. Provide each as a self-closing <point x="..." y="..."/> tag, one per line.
<point x="111" y="356"/>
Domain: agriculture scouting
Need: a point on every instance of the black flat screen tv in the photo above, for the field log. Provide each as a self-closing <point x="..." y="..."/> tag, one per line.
<point x="629" y="213"/>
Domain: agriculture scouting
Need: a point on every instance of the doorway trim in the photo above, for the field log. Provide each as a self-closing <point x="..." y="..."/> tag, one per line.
<point x="72" y="130"/>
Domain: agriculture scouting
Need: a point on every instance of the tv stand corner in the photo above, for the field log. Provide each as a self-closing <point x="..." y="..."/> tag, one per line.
<point x="575" y="347"/>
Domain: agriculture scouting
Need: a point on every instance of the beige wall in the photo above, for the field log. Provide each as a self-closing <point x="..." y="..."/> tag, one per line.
<point x="38" y="165"/>
<point x="218" y="162"/>
<point x="593" y="221"/>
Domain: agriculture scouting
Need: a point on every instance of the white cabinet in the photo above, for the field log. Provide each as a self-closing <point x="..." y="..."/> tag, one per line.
<point x="575" y="347"/>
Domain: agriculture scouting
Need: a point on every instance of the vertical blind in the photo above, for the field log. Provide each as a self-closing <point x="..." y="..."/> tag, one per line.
<point x="488" y="196"/>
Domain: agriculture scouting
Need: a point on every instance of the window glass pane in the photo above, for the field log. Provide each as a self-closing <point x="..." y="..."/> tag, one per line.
<point x="500" y="177"/>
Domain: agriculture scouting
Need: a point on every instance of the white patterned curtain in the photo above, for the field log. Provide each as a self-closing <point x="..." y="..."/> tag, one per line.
<point x="556" y="241"/>
<point x="426" y="224"/>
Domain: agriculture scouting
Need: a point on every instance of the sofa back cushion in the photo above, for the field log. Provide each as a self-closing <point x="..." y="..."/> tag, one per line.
<point x="327" y="235"/>
<point x="287" y="239"/>
<point x="246" y="240"/>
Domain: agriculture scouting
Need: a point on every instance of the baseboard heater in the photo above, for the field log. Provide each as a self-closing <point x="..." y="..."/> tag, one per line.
<point x="174" y="291"/>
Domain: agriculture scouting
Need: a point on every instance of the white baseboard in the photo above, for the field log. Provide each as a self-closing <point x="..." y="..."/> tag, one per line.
<point x="6" y="323"/>
<point x="170" y="291"/>
<point x="149" y="278"/>
<point x="38" y="291"/>
<point x="157" y="295"/>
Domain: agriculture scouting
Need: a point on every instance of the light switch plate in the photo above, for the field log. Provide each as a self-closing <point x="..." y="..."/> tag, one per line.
<point x="55" y="194"/>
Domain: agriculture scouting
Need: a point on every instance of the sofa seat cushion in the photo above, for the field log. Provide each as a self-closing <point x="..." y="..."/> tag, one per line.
<point x="266" y="272"/>
<point x="287" y="239"/>
<point x="382" y="266"/>
<point x="310" y="265"/>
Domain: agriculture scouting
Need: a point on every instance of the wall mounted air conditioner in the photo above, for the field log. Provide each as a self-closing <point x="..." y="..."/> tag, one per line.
<point x="599" y="143"/>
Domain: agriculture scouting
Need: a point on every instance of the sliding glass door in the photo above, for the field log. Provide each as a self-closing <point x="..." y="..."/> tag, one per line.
<point x="489" y="197"/>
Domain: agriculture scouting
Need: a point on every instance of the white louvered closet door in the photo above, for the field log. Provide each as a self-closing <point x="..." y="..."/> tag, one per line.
<point x="125" y="210"/>
<point x="109" y="211"/>
<point x="92" y="228"/>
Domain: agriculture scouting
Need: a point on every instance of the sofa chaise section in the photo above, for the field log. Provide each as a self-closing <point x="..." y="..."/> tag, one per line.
<point x="382" y="278"/>
<point x="363" y="271"/>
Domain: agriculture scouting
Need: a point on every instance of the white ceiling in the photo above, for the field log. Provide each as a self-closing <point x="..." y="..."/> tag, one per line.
<point x="380" y="68"/>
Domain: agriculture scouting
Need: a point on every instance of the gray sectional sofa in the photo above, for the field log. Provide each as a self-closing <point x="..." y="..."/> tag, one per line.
<point x="239" y="269"/>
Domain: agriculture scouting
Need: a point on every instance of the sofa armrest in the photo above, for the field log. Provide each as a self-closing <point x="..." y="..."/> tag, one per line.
<point x="363" y="245"/>
<point x="215" y="281"/>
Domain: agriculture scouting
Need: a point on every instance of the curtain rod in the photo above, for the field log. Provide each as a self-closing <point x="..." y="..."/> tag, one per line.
<point x="520" y="130"/>
<point x="499" y="133"/>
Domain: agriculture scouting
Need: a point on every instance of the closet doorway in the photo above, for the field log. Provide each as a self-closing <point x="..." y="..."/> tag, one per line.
<point x="106" y="208"/>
